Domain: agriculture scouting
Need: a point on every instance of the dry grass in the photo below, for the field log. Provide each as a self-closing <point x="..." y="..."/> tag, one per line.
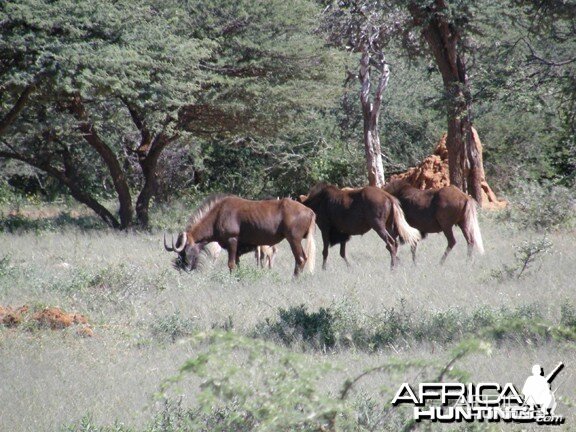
<point x="124" y="283"/>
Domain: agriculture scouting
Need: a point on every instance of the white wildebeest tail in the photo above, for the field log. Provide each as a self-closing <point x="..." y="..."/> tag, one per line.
<point x="311" y="246"/>
<point x="408" y="234"/>
<point x="471" y="225"/>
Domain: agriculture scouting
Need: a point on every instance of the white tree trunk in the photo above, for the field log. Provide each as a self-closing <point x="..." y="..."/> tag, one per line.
<point x="371" y="114"/>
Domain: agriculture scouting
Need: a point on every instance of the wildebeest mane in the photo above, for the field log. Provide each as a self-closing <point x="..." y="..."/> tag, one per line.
<point x="316" y="189"/>
<point x="204" y="207"/>
<point x="394" y="186"/>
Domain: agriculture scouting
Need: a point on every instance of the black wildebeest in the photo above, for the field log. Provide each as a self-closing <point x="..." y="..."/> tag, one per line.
<point x="342" y="213"/>
<point x="240" y="226"/>
<point x="438" y="210"/>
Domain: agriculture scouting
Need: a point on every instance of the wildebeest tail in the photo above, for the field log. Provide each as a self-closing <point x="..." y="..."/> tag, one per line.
<point x="407" y="233"/>
<point x="471" y="225"/>
<point x="311" y="246"/>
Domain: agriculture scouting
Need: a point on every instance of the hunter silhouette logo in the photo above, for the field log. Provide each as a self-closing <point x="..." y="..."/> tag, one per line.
<point x="485" y="401"/>
<point x="537" y="391"/>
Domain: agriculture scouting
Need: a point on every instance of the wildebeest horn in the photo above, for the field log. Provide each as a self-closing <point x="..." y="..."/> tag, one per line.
<point x="168" y="248"/>
<point x="181" y="248"/>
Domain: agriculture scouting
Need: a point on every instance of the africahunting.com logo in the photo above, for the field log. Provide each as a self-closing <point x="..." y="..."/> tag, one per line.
<point x="457" y="402"/>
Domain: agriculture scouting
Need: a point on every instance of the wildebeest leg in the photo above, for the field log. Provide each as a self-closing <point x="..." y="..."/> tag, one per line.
<point x="391" y="243"/>
<point x="413" y="250"/>
<point x="233" y="257"/>
<point x="299" y="255"/>
<point x="392" y="247"/>
<point x="468" y="238"/>
<point x="343" y="252"/>
<point x="258" y="257"/>
<point x="326" y="246"/>
<point x="451" y="242"/>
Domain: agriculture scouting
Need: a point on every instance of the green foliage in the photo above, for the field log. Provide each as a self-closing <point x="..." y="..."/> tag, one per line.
<point x="268" y="389"/>
<point x="211" y="69"/>
<point x="525" y="254"/>
<point x="20" y="223"/>
<point x="5" y="266"/>
<point x="343" y="326"/>
<point x="87" y="424"/>
<point x="540" y="207"/>
<point x="172" y="327"/>
<point x="568" y="316"/>
<point x="297" y="324"/>
<point x="144" y="53"/>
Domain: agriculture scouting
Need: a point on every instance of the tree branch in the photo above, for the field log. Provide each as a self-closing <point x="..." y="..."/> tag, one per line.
<point x="547" y="62"/>
<point x="75" y="189"/>
<point x="92" y="137"/>
<point x="20" y="104"/>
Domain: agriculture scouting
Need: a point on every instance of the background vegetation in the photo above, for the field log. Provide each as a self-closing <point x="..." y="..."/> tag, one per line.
<point x="166" y="100"/>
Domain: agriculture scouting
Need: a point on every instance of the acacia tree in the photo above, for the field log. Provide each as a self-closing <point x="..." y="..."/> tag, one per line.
<point x="444" y="27"/>
<point x="89" y="85"/>
<point x="83" y="77"/>
<point x="549" y="62"/>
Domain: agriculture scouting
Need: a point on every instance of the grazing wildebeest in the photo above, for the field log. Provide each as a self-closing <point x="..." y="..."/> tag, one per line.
<point x="436" y="210"/>
<point x="240" y="225"/>
<point x="265" y="255"/>
<point x="344" y="213"/>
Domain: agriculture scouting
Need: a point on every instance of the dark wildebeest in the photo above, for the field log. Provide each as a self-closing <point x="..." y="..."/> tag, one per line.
<point x="341" y="214"/>
<point x="438" y="210"/>
<point x="240" y="225"/>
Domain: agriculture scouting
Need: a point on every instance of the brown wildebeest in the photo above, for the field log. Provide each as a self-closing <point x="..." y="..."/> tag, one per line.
<point x="438" y="210"/>
<point x="341" y="214"/>
<point x="240" y="225"/>
<point x="265" y="255"/>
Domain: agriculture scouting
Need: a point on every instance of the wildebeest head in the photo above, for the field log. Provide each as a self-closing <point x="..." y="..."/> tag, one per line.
<point x="188" y="252"/>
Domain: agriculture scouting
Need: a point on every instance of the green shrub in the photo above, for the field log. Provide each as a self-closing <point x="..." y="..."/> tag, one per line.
<point x="5" y="266"/>
<point x="170" y="328"/>
<point x="525" y="254"/>
<point x="297" y="324"/>
<point x="568" y="316"/>
<point x="540" y="207"/>
<point x="343" y="325"/>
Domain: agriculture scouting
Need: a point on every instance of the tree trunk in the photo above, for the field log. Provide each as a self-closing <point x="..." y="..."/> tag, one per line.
<point x="464" y="161"/>
<point x="371" y="113"/>
<point x="148" y="152"/>
<point x="109" y="158"/>
<point x="148" y="156"/>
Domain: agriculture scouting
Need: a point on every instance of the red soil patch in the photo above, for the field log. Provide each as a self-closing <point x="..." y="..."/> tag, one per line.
<point x="11" y="317"/>
<point x="433" y="173"/>
<point x="53" y="318"/>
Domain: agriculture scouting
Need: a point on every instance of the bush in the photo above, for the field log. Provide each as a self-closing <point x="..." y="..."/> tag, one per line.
<point x="297" y="324"/>
<point x="343" y="325"/>
<point x="170" y="328"/>
<point x="525" y="254"/>
<point x="540" y="207"/>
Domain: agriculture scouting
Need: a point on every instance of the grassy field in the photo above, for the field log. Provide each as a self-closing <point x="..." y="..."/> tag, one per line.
<point x="148" y="318"/>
